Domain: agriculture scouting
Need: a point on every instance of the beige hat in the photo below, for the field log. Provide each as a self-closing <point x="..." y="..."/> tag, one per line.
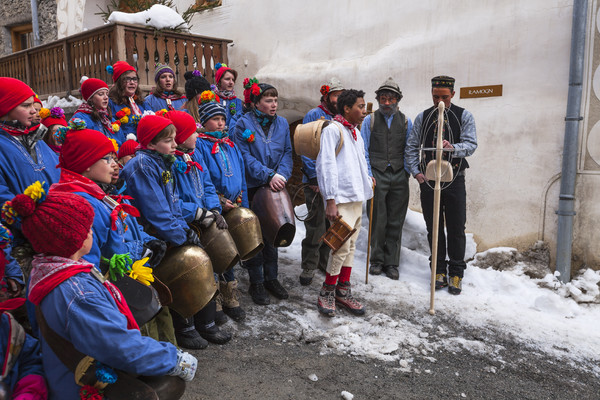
<point x="332" y="85"/>
<point x="390" y="85"/>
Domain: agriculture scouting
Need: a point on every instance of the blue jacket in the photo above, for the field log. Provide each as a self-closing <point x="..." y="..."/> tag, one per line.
<point x="309" y="165"/>
<point x="82" y="311"/>
<point x="233" y="111"/>
<point x="154" y="103"/>
<point x="29" y="361"/>
<point x="97" y="126"/>
<point x="12" y="269"/>
<point x="151" y="183"/>
<point x="226" y="169"/>
<point x="271" y="153"/>
<point x="18" y="170"/>
<point x="129" y="127"/>
<point x="195" y="188"/>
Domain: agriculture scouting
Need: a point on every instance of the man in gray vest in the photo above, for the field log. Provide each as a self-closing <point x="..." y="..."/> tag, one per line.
<point x="384" y="133"/>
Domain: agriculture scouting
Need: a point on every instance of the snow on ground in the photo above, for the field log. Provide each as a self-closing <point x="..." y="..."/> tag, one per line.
<point x="62" y="102"/>
<point x="158" y="16"/>
<point x="535" y="312"/>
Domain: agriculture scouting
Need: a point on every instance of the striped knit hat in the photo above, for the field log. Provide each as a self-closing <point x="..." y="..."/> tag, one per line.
<point x="209" y="106"/>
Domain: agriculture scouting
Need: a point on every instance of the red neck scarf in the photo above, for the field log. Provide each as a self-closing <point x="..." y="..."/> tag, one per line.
<point x="217" y="142"/>
<point x="17" y="130"/>
<point x="187" y="157"/>
<point x="50" y="271"/>
<point x="72" y="182"/>
<point x="323" y="107"/>
<point x="347" y="124"/>
<point x="104" y="119"/>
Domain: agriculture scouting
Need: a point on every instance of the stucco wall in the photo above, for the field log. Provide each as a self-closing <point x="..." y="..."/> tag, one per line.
<point x="523" y="45"/>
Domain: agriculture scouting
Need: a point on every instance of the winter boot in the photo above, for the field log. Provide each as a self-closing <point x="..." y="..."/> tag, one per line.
<point x="455" y="285"/>
<point x="220" y="317"/>
<point x="343" y="296"/>
<point x="259" y="294"/>
<point x="440" y="281"/>
<point x="276" y="289"/>
<point x="186" y="334"/>
<point x="231" y="304"/>
<point x="206" y="327"/>
<point x="391" y="271"/>
<point x="326" y="300"/>
<point x="375" y="269"/>
<point x="306" y="276"/>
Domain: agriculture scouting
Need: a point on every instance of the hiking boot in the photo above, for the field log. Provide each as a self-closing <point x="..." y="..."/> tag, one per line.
<point x="231" y="304"/>
<point x="440" y="281"/>
<point x="343" y="296"/>
<point x="259" y="294"/>
<point x="215" y="335"/>
<point x="190" y="339"/>
<point x="326" y="300"/>
<point x="276" y="289"/>
<point x="220" y="317"/>
<point x="375" y="269"/>
<point x="455" y="285"/>
<point x="391" y="271"/>
<point x="306" y="276"/>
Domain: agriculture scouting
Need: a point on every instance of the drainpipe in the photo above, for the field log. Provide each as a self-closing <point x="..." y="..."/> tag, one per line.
<point x="34" y="23"/>
<point x="566" y="199"/>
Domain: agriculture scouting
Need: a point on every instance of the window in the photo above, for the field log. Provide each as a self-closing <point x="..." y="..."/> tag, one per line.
<point x="22" y="37"/>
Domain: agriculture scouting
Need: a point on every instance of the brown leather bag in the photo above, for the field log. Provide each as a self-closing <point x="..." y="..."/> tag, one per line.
<point x="127" y="387"/>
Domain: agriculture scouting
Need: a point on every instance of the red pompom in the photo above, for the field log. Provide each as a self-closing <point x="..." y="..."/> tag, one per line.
<point x="23" y="205"/>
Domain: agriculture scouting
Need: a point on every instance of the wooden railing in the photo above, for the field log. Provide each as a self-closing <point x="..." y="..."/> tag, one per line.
<point x="56" y="68"/>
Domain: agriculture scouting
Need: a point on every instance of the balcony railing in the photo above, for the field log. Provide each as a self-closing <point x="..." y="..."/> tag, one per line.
<point x="56" y="68"/>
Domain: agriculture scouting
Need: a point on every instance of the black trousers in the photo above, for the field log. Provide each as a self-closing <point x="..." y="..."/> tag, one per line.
<point x="453" y="216"/>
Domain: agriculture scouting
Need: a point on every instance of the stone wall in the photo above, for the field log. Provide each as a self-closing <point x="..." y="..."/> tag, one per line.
<point x="18" y="12"/>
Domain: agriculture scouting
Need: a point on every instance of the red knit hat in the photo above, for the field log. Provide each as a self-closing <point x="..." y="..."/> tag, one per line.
<point x="57" y="224"/>
<point x="221" y="69"/>
<point x="89" y="87"/>
<point x="54" y="116"/>
<point x="82" y="148"/>
<point x="119" y="68"/>
<point x="150" y="126"/>
<point x="12" y="93"/>
<point x="184" y="123"/>
<point x="36" y="99"/>
<point x="127" y="148"/>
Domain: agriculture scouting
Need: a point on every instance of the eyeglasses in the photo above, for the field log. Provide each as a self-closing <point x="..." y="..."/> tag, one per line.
<point x="131" y="79"/>
<point x="110" y="160"/>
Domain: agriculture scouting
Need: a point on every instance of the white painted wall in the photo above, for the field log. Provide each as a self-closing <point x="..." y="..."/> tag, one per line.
<point x="523" y="45"/>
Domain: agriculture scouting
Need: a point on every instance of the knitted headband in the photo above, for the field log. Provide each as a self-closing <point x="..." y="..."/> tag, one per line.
<point x="55" y="223"/>
<point x="209" y="106"/>
<point x="160" y="69"/>
<point x="221" y="68"/>
<point x="12" y="93"/>
<point x="91" y="86"/>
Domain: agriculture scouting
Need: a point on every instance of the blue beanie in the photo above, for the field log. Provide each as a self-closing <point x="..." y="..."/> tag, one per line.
<point x="209" y="110"/>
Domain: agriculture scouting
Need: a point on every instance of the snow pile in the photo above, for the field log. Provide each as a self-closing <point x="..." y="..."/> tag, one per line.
<point x="62" y="102"/>
<point x="158" y="16"/>
<point x="542" y="314"/>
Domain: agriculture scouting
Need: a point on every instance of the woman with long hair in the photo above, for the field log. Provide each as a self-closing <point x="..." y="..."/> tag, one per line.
<point x="166" y="95"/>
<point x="126" y="101"/>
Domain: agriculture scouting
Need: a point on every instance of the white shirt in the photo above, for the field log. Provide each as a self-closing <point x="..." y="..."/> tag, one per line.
<point x="344" y="177"/>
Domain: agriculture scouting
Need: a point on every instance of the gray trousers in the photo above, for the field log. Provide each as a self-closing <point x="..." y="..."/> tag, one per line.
<point x="389" y="210"/>
<point x="314" y="253"/>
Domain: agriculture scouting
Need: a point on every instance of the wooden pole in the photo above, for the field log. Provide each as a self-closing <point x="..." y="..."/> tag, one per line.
<point x="437" y="194"/>
<point x="369" y="238"/>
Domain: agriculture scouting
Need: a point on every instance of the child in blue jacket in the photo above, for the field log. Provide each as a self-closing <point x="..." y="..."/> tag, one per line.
<point x="166" y="95"/>
<point x="126" y="101"/>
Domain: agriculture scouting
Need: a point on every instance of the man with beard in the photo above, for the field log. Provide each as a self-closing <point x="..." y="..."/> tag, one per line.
<point x="384" y="133"/>
<point x="314" y="253"/>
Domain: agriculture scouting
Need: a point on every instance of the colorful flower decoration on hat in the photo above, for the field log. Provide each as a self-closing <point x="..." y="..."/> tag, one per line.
<point x="248" y="136"/>
<point x="141" y="273"/>
<point x="251" y="87"/>
<point x="325" y="89"/>
<point x="75" y="124"/>
<point x="115" y="144"/>
<point x="36" y="191"/>
<point x="207" y="96"/>
<point x="89" y="392"/>
<point x="44" y="113"/>
<point x="110" y="69"/>
<point x="57" y="112"/>
<point x="162" y="113"/>
<point x="197" y="73"/>
<point x="5" y="236"/>
<point x="218" y="66"/>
